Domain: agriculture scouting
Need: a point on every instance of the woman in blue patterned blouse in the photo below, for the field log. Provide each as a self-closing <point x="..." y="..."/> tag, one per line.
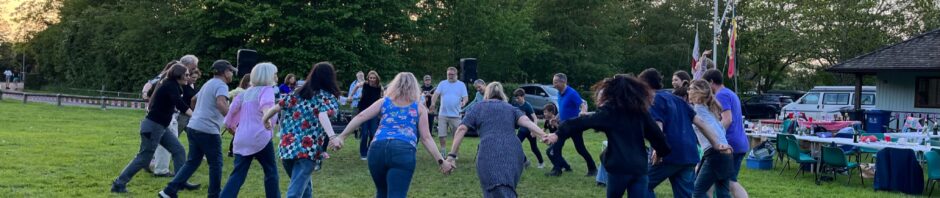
<point x="392" y="152"/>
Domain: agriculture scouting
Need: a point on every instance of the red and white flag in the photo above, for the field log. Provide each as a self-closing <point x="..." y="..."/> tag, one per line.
<point x="733" y="34"/>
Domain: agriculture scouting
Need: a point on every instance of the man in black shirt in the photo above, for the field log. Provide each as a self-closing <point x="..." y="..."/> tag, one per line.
<point x="427" y="90"/>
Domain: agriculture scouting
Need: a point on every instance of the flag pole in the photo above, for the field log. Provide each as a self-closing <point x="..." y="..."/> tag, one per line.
<point x="736" y="73"/>
<point x="715" y="32"/>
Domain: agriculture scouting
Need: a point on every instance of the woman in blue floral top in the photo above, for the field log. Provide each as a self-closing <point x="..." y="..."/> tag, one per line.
<point x="403" y="123"/>
<point x="305" y="127"/>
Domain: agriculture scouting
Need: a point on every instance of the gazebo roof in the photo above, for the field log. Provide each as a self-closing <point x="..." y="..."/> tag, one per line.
<point x="919" y="53"/>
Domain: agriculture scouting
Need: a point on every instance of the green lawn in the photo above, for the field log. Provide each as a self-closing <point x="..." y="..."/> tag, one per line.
<point x="50" y="151"/>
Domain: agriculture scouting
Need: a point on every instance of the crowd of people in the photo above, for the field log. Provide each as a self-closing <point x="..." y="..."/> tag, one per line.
<point x="695" y="131"/>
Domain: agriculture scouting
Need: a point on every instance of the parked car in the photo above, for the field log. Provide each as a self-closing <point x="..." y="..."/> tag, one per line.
<point x="794" y="94"/>
<point x="765" y="106"/>
<point x="826" y="101"/>
<point x="538" y="95"/>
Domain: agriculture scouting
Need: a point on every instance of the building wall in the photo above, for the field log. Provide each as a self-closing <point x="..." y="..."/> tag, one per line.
<point x="896" y="91"/>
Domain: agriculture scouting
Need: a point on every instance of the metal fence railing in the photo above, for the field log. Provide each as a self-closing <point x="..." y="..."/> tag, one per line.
<point x="75" y="100"/>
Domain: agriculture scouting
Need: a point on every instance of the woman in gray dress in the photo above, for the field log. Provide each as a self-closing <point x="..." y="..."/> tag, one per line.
<point x="499" y="156"/>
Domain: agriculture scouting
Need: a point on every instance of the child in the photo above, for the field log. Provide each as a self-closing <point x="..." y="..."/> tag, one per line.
<point x="715" y="167"/>
<point x="551" y="122"/>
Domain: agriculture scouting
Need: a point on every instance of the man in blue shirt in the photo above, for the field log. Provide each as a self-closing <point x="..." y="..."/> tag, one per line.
<point x="570" y="105"/>
<point x="733" y="122"/>
<point x="478" y="84"/>
<point x="675" y="117"/>
<point x="355" y="94"/>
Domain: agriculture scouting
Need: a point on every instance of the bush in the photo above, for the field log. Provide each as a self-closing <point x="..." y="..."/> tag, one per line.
<point x="35" y="81"/>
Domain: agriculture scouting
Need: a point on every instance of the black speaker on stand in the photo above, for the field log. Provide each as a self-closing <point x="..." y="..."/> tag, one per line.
<point x="468" y="67"/>
<point x="247" y="59"/>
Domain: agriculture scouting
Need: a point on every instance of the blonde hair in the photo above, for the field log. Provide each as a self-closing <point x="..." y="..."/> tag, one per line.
<point x="404" y="86"/>
<point x="707" y="97"/>
<point x="264" y="74"/>
<point x="494" y="91"/>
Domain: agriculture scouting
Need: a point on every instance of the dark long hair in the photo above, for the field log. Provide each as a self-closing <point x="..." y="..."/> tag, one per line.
<point x="653" y="78"/>
<point x="624" y="93"/>
<point x="321" y="77"/>
<point x="683" y="90"/>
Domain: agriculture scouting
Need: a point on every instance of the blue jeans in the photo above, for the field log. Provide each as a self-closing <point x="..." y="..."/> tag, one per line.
<point x="715" y="170"/>
<point x="634" y="185"/>
<point x="368" y="132"/>
<point x="601" y="175"/>
<point x="299" y="171"/>
<point x="200" y="144"/>
<point x="265" y="157"/>
<point x="682" y="178"/>
<point x="391" y="164"/>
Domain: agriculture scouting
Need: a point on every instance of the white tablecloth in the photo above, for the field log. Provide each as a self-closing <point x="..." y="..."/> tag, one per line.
<point x="911" y="135"/>
<point x="848" y="141"/>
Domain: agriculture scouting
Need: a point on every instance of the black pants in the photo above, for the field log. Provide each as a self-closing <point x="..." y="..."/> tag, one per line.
<point x="558" y="162"/>
<point x="524" y="134"/>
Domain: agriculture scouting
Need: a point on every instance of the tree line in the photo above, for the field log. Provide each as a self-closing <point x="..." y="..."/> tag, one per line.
<point x="781" y="43"/>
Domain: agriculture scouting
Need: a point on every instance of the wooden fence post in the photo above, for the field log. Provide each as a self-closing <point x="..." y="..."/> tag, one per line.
<point x="58" y="99"/>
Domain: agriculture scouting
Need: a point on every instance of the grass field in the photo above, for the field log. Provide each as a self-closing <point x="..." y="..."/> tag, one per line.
<point x="49" y="151"/>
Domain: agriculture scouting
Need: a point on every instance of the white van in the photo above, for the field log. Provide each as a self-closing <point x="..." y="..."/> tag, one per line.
<point x="826" y="101"/>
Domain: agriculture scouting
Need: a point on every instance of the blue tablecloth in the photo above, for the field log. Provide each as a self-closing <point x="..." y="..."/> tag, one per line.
<point x="898" y="170"/>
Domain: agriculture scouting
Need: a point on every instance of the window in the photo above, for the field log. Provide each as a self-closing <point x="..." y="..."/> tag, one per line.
<point x="551" y="90"/>
<point x="540" y="92"/>
<point x="868" y="99"/>
<point x="529" y="90"/>
<point x="754" y="100"/>
<point x="927" y="92"/>
<point x="836" y="99"/>
<point x="769" y="99"/>
<point x="810" y="98"/>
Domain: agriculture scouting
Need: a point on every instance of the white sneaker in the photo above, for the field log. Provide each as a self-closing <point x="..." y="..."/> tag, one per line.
<point x="541" y="165"/>
<point x="164" y="195"/>
<point x="363" y="159"/>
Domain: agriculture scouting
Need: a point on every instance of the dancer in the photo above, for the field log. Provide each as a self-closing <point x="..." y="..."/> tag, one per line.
<point x="252" y="140"/>
<point x="624" y="118"/>
<point x="518" y="101"/>
<point x="153" y="129"/>
<point x="204" y="132"/>
<point x="499" y="158"/>
<point x="570" y="106"/>
<point x="392" y="154"/>
<point x="305" y="127"/>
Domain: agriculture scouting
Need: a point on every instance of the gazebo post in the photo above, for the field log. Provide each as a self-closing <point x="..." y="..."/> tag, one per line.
<point x="858" y="97"/>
